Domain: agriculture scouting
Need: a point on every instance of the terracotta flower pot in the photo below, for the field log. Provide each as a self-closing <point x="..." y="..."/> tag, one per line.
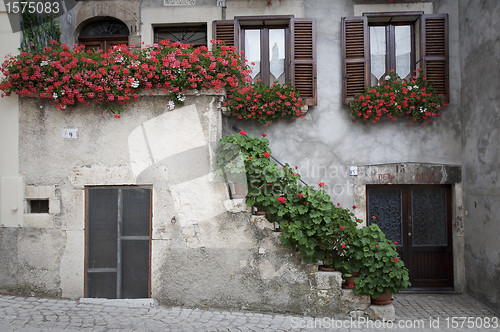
<point x="349" y="282"/>
<point x="326" y="268"/>
<point x="383" y="299"/>
<point x="260" y="212"/>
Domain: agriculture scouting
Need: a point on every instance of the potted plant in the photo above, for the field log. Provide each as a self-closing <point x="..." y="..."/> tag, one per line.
<point x="414" y="99"/>
<point x="381" y="271"/>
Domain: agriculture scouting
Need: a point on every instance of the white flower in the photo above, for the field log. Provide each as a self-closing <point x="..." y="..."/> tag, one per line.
<point x="415" y="86"/>
<point x="135" y="84"/>
<point x="410" y="87"/>
<point x="120" y="59"/>
<point x="54" y="95"/>
<point x="171" y="105"/>
<point x="387" y="77"/>
<point x="44" y="63"/>
<point x="181" y="97"/>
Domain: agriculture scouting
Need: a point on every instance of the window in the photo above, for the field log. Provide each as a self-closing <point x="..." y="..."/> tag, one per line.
<point x="39" y="206"/>
<point x="373" y="44"/>
<point x="282" y="49"/>
<point x="103" y="34"/>
<point x="266" y="52"/>
<point x="192" y="34"/>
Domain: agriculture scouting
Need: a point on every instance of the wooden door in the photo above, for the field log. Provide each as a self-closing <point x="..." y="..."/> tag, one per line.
<point x="118" y="231"/>
<point x="418" y="218"/>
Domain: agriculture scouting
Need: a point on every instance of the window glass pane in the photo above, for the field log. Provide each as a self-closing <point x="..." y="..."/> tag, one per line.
<point x="277" y="55"/>
<point x="403" y="50"/>
<point x="378" y="51"/>
<point x="252" y="52"/>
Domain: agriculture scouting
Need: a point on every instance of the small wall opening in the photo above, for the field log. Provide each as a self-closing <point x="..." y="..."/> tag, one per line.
<point x="39" y="206"/>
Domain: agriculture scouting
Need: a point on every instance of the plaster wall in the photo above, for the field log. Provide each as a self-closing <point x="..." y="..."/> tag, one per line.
<point x="480" y="54"/>
<point x="206" y="250"/>
<point x="155" y="13"/>
<point x="11" y="192"/>
<point x="326" y="142"/>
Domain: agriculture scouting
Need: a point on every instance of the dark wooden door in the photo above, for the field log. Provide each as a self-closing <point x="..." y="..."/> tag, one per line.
<point x="118" y="242"/>
<point x="418" y="218"/>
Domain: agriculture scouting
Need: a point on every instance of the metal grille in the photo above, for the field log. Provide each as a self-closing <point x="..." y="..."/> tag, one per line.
<point x="429" y="217"/>
<point x="118" y="242"/>
<point x="386" y="205"/>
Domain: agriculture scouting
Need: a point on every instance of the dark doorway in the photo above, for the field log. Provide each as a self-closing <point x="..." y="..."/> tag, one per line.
<point x="118" y="232"/>
<point x="418" y="218"/>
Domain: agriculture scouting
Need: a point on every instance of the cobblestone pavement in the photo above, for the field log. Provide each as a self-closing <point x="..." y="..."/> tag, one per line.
<point x="413" y="313"/>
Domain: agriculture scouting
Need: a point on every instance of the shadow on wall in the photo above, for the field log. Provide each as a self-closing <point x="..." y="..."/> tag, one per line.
<point x="171" y="152"/>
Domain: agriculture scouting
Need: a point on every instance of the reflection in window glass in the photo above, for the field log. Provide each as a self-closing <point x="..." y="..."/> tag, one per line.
<point x="277" y="55"/>
<point x="377" y="53"/>
<point x="252" y="52"/>
<point x="403" y="50"/>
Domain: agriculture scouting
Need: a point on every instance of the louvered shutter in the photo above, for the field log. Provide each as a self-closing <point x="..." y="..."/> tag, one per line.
<point x="355" y="56"/>
<point x="303" y="58"/>
<point x="226" y="31"/>
<point x="434" y="52"/>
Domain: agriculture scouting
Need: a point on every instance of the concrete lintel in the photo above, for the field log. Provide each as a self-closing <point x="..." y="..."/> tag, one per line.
<point x="408" y="173"/>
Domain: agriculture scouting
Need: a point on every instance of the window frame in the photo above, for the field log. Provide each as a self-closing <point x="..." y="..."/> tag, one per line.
<point x="390" y="35"/>
<point x="264" y="51"/>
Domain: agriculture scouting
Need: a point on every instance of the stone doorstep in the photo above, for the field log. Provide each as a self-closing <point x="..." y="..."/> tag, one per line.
<point x="126" y="303"/>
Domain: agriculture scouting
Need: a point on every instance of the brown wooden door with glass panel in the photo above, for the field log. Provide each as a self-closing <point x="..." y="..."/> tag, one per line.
<point x="118" y="233"/>
<point x="418" y="218"/>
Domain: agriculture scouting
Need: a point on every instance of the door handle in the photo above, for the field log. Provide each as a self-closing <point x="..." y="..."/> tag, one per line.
<point x="409" y="234"/>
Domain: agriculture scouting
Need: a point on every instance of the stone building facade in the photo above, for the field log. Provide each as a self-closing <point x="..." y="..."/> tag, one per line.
<point x="206" y="249"/>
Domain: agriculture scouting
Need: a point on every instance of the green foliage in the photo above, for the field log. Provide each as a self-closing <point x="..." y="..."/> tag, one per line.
<point x="377" y="261"/>
<point x="320" y="229"/>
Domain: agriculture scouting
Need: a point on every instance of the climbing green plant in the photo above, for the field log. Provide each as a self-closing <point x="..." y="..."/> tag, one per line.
<point x="320" y="229"/>
<point x="38" y="30"/>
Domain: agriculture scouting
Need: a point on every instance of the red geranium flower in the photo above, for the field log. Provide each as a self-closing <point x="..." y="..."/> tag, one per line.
<point x="300" y="195"/>
<point x="322" y="184"/>
<point x="266" y="154"/>
<point x="242" y="132"/>
<point x="264" y="135"/>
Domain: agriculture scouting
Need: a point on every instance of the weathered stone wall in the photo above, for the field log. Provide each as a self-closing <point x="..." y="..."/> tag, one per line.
<point x="480" y="55"/>
<point x="206" y="250"/>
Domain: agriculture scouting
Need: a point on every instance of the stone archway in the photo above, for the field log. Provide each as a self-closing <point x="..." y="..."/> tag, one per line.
<point x="125" y="11"/>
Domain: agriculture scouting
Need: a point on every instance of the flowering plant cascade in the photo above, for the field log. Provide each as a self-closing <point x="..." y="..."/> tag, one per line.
<point x="265" y="103"/>
<point x="69" y="77"/>
<point x="320" y="229"/>
<point x="395" y="97"/>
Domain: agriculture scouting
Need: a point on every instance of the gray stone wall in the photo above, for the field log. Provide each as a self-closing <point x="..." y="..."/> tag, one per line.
<point x="206" y="250"/>
<point x="480" y="55"/>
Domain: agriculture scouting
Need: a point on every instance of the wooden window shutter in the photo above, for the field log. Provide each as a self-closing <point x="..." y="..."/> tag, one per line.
<point x="303" y="58"/>
<point x="226" y="31"/>
<point x="355" y="57"/>
<point x="434" y="52"/>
